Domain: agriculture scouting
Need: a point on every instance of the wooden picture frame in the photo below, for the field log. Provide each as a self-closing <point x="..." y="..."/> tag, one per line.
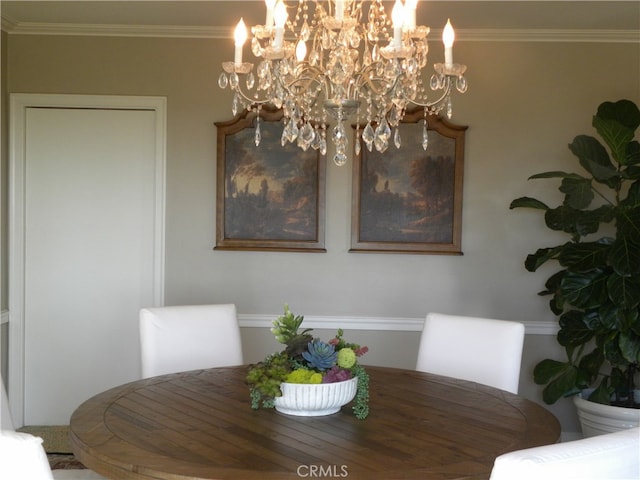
<point x="269" y="197"/>
<point x="409" y="200"/>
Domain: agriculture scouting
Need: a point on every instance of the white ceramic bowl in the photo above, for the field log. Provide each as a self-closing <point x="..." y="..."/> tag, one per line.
<point x="317" y="399"/>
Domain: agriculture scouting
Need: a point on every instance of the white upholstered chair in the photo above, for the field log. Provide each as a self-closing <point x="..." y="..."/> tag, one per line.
<point x="482" y="350"/>
<point x="22" y="456"/>
<point x="181" y="338"/>
<point x="612" y="456"/>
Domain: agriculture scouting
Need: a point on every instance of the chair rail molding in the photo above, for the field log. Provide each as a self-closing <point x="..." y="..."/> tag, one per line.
<point x="395" y="324"/>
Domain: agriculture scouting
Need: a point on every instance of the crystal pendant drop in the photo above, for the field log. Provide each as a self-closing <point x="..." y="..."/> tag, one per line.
<point x="317" y="141"/>
<point x="425" y="137"/>
<point x="258" y="135"/>
<point x="397" y="141"/>
<point x="305" y="31"/>
<point x="381" y="144"/>
<point x="433" y="83"/>
<point x="251" y="80"/>
<point x="395" y="115"/>
<point x="235" y="105"/>
<point x="381" y="139"/>
<point x="358" y="148"/>
<point x="223" y="81"/>
<point x="368" y="135"/>
<point x="461" y="84"/>
<point x="256" y="49"/>
<point x="340" y="159"/>
<point x="323" y="146"/>
<point x="233" y="80"/>
<point x="339" y="133"/>
<point x="449" y="108"/>
<point x="306" y="136"/>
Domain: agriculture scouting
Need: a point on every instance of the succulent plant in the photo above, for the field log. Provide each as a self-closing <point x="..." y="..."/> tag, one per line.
<point x="320" y="355"/>
<point x="307" y="360"/>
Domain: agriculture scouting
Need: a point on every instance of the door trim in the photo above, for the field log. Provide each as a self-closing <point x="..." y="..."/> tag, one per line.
<point x="19" y="103"/>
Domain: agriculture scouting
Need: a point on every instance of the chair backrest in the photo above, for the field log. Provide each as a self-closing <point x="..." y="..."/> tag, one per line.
<point x="610" y="456"/>
<point x="22" y="455"/>
<point x="6" y="421"/>
<point x="482" y="350"/>
<point x="181" y="338"/>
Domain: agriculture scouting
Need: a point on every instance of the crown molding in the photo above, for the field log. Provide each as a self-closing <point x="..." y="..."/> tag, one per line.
<point x="169" y="31"/>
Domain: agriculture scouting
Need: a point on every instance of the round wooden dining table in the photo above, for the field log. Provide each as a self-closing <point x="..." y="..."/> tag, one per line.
<point x="200" y="425"/>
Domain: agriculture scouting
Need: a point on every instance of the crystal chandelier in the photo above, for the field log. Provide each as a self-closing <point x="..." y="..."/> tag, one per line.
<point x="336" y="60"/>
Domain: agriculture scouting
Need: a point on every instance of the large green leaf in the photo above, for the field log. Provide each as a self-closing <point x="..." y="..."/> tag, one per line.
<point x="590" y="364"/>
<point x="624" y="291"/>
<point x="623" y="111"/>
<point x="578" y="193"/>
<point x="585" y="256"/>
<point x="528" y="202"/>
<point x="573" y="330"/>
<point x="556" y="174"/>
<point x="633" y="153"/>
<point x="542" y="255"/>
<point x="633" y="196"/>
<point x="628" y="222"/>
<point x="548" y="369"/>
<point x="630" y="347"/>
<point x="562" y="385"/>
<point x="602" y="394"/>
<point x="585" y="289"/>
<point x="632" y="172"/>
<point x="611" y="316"/>
<point x="562" y="219"/>
<point x="624" y="256"/>
<point x="593" y="157"/>
<point x="616" y="124"/>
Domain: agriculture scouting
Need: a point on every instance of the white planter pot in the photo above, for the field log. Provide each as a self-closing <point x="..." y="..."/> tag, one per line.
<point x="317" y="399"/>
<point x="597" y="419"/>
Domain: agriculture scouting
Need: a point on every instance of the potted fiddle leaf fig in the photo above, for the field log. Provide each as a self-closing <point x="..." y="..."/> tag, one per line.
<point x="596" y="292"/>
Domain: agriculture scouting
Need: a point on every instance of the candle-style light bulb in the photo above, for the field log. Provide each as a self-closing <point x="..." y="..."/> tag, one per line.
<point x="339" y="10"/>
<point x="280" y="17"/>
<point x="397" y="17"/>
<point x="240" y="36"/>
<point x="269" y="20"/>
<point x="448" y="36"/>
<point x="301" y="50"/>
<point x="410" y="7"/>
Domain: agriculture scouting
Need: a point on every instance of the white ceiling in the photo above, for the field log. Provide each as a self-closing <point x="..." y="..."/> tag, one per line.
<point x="215" y="17"/>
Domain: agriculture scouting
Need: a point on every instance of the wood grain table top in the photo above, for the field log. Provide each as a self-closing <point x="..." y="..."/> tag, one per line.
<point x="199" y="425"/>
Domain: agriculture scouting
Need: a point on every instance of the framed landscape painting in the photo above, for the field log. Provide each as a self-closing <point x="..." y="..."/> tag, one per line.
<point x="269" y="196"/>
<point x="409" y="200"/>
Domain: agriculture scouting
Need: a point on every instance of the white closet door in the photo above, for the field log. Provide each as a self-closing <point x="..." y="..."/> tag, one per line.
<point x="90" y="248"/>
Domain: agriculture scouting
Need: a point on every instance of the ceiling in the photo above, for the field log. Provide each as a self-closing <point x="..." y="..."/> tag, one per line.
<point x="216" y="18"/>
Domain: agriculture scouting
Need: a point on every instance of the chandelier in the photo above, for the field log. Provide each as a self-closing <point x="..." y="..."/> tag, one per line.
<point x="335" y="60"/>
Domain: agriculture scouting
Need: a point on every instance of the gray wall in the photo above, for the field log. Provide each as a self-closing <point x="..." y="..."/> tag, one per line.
<point x="526" y="102"/>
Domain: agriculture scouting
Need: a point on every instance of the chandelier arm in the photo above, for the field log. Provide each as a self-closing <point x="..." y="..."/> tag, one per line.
<point x="438" y="104"/>
<point x="248" y="99"/>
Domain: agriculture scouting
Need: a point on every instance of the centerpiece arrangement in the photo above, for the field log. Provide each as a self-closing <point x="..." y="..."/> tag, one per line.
<point x="309" y="377"/>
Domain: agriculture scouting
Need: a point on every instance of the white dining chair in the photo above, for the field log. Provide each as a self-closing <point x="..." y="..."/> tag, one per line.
<point x="611" y="456"/>
<point x="22" y="456"/>
<point x="482" y="350"/>
<point x="181" y="338"/>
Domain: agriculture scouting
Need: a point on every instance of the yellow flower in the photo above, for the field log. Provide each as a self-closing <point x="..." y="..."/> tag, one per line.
<point x="346" y="358"/>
